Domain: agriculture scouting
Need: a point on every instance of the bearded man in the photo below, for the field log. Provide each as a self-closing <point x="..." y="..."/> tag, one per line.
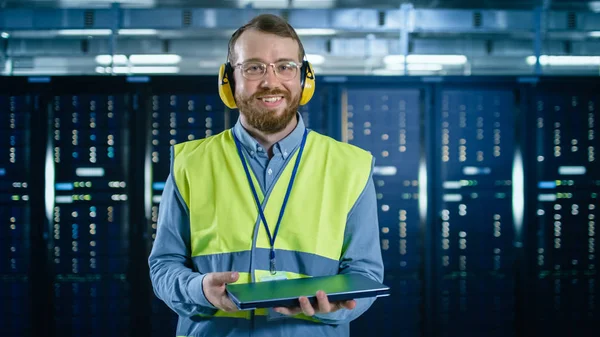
<point x="268" y="199"/>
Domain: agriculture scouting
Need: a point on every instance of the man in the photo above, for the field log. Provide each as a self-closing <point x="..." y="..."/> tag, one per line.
<point x="221" y="215"/>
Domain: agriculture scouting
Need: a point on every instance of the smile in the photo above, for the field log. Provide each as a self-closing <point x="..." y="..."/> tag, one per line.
<point x="271" y="99"/>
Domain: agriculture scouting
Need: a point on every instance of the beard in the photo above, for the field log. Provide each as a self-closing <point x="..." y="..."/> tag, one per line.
<point x="264" y="119"/>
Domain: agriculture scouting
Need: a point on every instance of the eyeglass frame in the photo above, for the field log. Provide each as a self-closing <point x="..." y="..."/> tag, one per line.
<point x="266" y="65"/>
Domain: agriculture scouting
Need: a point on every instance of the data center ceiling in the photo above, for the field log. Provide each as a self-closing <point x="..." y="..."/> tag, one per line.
<point x="484" y="4"/>
<point x="342" y="37"/>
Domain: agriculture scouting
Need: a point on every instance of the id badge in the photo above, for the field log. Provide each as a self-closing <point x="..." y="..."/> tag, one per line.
<point x="271" y="314"/>
<point x="277" y="276"/>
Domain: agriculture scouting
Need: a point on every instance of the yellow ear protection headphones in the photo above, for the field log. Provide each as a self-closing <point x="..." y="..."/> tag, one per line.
<point x="227" y="83"/>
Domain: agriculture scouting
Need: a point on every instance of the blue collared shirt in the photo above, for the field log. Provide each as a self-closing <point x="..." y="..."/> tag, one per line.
<point x="181" y="288"/>
<point x="264" y="169"/>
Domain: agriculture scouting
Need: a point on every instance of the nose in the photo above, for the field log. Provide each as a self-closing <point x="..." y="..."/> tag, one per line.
<point x="270" y="77"/>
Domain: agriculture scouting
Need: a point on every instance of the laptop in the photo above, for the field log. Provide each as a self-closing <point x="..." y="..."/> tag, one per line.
<point x="285" y="293"/>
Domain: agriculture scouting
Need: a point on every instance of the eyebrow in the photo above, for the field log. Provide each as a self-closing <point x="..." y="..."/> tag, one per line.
<point x="257" y="59"/>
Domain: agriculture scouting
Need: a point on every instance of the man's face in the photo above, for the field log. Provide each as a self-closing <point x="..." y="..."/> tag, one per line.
<point x="270" y="103"/>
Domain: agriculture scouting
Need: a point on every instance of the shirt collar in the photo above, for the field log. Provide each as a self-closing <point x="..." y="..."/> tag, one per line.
<point x="285" y="146"/>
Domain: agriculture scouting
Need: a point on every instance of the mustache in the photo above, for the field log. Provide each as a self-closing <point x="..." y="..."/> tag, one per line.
<point x="272" y="92"/>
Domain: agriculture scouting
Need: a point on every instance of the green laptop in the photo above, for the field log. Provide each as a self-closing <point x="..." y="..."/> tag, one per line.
<point x="285" y="293"/>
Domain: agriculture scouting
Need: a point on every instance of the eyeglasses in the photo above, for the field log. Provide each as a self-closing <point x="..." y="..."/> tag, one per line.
<point x="284" y="70"/>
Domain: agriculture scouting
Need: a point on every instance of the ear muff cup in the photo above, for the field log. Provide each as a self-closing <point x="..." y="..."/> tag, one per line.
<point x="307" y="82"/>
<point x="227" y="84"/>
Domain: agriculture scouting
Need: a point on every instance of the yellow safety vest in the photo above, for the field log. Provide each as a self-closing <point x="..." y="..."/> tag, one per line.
<point x="223" y="214"/>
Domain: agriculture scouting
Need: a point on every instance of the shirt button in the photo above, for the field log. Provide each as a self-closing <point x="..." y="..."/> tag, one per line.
<point x="270" y="171"/>
<point x="252" y="153"/>
<point x="259" y="149"/>
<point x="285" y="153"/>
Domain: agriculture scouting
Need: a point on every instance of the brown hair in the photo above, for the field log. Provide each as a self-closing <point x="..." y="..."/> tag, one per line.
<point x="266" y="23"/>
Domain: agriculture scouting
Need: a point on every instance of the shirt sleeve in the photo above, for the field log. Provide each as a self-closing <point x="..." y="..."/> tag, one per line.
<point x="361" y="252"/>
<point x="171" y="270"/>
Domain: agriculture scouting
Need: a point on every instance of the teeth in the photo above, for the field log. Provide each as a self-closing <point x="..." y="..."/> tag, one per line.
<point x="271" y="99"/>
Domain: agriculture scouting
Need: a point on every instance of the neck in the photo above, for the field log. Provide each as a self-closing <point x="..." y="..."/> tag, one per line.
<point x="268" y="140"/>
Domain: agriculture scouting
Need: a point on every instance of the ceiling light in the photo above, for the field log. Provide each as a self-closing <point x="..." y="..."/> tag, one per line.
<point x="594" y="34"/>
<point x="145" y="70"/>
<point x="315" y="31"/>
<point x="5" y="35"/>
<point x="41" y="71"/>
<point x="210" y="64"/>
<point x="106" y="60"/>
<point x="438" y="59"/>
<point x="393" y="59"/>
<point x="416" y="67"/>
<point x="315" y="59"/>
<point x="386" y="72"/>
<point x="138" y="32"/>
<point x="105" y="3"/>
<point x="565" y="60"/>
<point x="155" y="59"/>
<point x="426" y="59"/>
<point x="83" y="32"/>
<point x="270" y="4"/>
<point x="425" y="67"/>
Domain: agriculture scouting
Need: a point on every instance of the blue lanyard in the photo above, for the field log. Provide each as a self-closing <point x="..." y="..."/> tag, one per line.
<point x="285" y="200"/>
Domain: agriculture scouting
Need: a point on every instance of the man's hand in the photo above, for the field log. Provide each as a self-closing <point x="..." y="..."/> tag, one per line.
<point x="322" y="306"/>
<point x="213" y="285"/>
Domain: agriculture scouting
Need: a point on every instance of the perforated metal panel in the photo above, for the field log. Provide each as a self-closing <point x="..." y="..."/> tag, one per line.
<point x="460" y="263"/>
<point x="90" y="235"/>
<point x="176" y="118"/>
<point x="474" y="230"/>
<point x="568" y="188"/>
<point x="314" y="113"/>
<point x="15" y="209"/>
<point x="387" y="123"/>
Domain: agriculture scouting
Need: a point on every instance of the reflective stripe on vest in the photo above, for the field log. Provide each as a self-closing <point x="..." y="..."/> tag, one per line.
<point x="223" y="214"/>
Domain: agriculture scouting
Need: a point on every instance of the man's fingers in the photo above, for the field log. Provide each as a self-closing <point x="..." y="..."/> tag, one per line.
<point x="350" y="304"/>
<point x="227" y="304"/>
<point x="219" y="279"/>
<point x="288" y="311"/>
<point x="307" y="308"/>
<point x="323" y="306"/>
<point x="323" y="302"/>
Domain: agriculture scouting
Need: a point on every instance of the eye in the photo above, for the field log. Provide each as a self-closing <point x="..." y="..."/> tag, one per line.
<point x="285" y="67"/>
<point x="253" y="68"/>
